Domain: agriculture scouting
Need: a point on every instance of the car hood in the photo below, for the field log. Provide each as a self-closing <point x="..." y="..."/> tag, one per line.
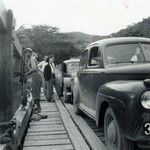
<point x="125" y="90"/>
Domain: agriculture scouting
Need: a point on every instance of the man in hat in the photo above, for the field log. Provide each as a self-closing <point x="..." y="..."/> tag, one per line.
<point x="36" y="77"/>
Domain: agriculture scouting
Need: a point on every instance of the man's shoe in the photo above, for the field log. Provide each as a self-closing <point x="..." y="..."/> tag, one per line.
<point x="36" y="110"/>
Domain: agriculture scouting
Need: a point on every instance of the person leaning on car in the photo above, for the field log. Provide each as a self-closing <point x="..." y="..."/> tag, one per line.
<point x="48" y="76"/>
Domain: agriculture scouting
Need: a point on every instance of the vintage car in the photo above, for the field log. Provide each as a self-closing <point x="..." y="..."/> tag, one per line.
<point x="112" y="86"/>
<point x="68" y="68"/>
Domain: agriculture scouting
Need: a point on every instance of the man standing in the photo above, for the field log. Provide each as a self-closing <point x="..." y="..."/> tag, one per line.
<point x="48" y="76"/>
<point x="36" y="77"/>
<point x="52" y="65"/>
<point x="41" y="66"/>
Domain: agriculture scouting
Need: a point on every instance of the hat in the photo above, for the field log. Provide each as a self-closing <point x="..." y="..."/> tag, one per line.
<point x="51" y="56"/>
<point x="28" y="49"/>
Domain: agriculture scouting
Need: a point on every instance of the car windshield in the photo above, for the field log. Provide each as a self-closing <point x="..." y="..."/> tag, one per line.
<point x="73" y="67"/>
<point x="128" y="53"/>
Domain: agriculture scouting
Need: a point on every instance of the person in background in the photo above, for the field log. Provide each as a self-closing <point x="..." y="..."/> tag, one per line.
<point x="41" y="66"/>
<point x="52" y="65"/>
<point x="138" y="56"/>
<point x="36" y="77"/>
<point x="48" y="76"/>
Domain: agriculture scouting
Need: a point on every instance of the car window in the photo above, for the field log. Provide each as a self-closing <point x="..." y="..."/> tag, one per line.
<point x="146" y="51"/>
<point x="124" y="53"/>
<point x="83" y="60"/>
<point x="95" y="56"/>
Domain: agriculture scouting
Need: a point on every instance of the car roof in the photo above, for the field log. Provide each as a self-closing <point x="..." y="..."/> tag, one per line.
<point x="108" y="41"/>
<point x="71" y="60"/>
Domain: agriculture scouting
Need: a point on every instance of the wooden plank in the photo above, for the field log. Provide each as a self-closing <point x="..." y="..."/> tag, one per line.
<point x="46" y="133"/>
<point x="45" y="123"/>
<point x="47" y="142"/>
<point x="47" y="127"/>
<point x="93" y="140"/>
<point x="55" y="147"/>
<point x="61" y="128"/>
<point x="50" y="119"/>
<point x="46" y="137"/>
<point x="3" y="19"/>
<point x="74" y="134"/>
<point x="51" y="113"/>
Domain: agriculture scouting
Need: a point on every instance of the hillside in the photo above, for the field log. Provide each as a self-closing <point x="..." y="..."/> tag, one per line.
<point x="81" y="39"/>
<point x="46" y="40"/>
<point x="139" y="29"/>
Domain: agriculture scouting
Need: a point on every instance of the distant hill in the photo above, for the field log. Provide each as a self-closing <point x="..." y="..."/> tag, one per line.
<point x="81" y="40"/>
<point x="46" y="40"/>
<point x="139" y="29"/>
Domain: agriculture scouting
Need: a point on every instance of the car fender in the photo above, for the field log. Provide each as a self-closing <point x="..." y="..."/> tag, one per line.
<point x="75" y="88"/>
<point x="120" y="96"/>
<point x="67" y="82"/>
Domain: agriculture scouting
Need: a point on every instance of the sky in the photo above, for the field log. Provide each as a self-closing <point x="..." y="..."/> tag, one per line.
<point x="98" y="17"/>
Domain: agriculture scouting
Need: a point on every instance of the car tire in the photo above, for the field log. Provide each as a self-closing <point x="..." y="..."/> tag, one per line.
<point x="76" y="104"/>
<point x="114" y="139"/>
<point x="61" y="89"/>
<point x="65" y="97"/>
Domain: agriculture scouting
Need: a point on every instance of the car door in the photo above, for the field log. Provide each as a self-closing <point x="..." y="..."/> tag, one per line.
<point x="82" y="77"/>
<point x="90" y="80"/>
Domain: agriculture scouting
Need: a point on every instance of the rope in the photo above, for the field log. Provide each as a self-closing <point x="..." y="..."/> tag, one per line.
<point x="8" y="123"/>
<point x="10" y="126"/>
<point x="7" y="131"/>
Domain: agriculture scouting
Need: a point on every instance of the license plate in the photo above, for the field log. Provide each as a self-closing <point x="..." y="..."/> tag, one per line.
<point x="147" y="128"/>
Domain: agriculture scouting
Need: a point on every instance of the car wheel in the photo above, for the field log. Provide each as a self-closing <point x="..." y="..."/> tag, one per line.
<point x="114" y="139"/>
<point x="61" y="89"/>
<point x="71" y="97"/>
<point x="65" y="97"/>
<point x="76" y="104"/>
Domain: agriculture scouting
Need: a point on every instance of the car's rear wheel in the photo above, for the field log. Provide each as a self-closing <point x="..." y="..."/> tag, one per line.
<point x="114" y="138"/>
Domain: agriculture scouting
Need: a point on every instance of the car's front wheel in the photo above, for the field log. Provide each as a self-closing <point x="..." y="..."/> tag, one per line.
<point x="114" y="138"/>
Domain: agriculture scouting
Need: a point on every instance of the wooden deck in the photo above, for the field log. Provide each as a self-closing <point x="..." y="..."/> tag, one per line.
<point x="48" y="134"/>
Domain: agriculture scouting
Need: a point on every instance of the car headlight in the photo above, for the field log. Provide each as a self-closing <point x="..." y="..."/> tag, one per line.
<point x="145" y="100"/>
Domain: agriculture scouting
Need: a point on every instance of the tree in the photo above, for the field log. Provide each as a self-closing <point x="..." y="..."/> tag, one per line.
<point x="46" y="40"/>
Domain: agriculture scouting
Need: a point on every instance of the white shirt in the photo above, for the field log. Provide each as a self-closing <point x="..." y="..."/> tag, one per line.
<point x="52" y="67"/>
<point x="42" y="65"/>
<point x="134" y="58"/>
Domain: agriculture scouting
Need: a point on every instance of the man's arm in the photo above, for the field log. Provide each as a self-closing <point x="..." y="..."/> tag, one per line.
<point x="33" y="66"/>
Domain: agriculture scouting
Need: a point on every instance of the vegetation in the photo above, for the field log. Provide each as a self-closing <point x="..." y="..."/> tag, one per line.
<point x="47" y="40"/>
<point x="141" y="29"/>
